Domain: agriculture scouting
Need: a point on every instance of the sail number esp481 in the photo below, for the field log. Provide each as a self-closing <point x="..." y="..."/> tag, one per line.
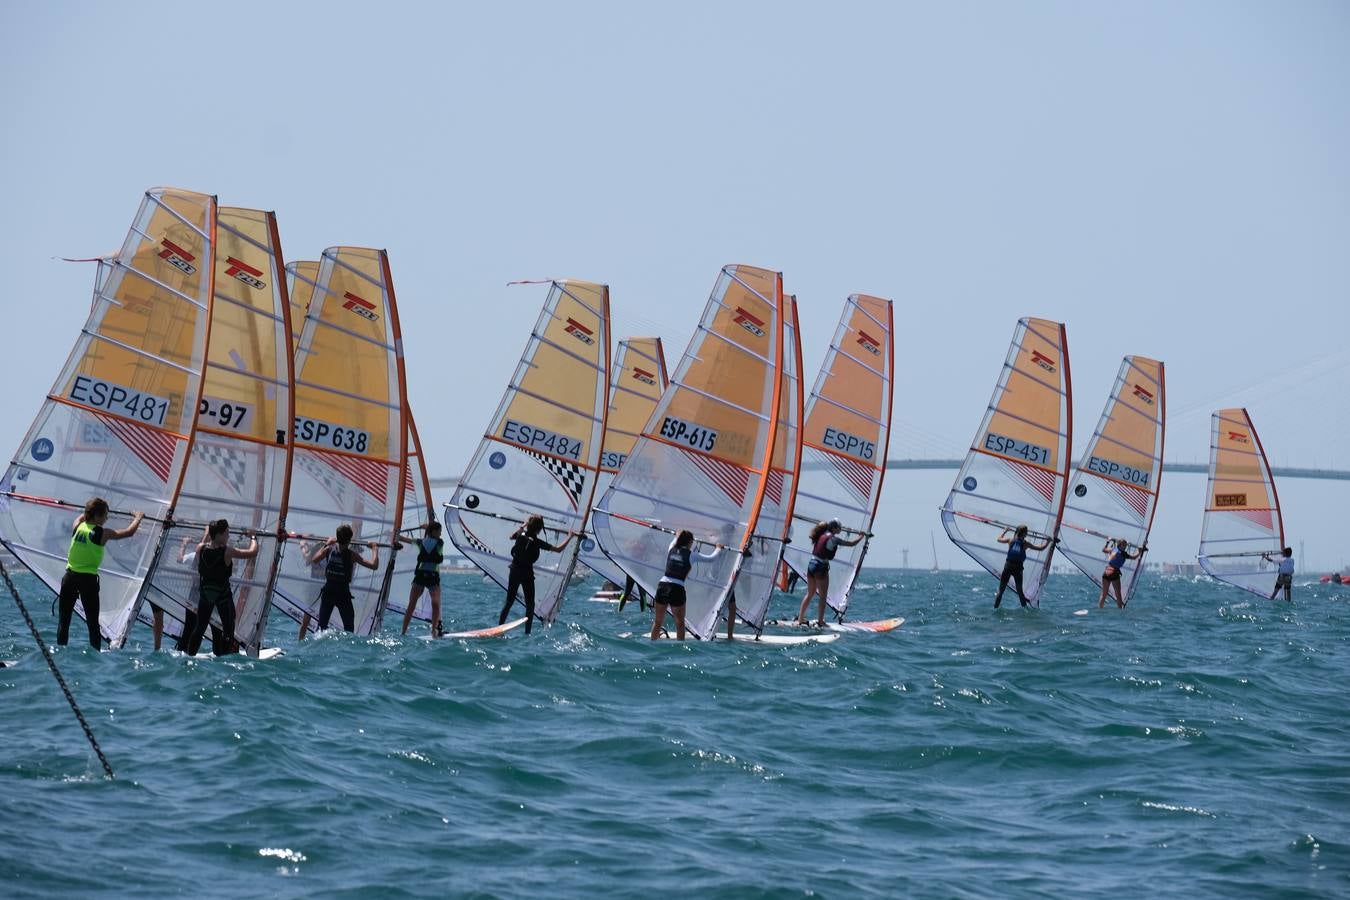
<point x="123" y="401"/>
<point x="689" y="434"/>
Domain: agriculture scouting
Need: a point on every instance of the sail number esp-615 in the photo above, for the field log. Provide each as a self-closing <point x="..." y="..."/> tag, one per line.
<point x="689" y="434"/>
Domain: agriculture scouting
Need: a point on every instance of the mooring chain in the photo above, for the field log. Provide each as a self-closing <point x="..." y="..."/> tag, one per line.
<point x="51" y="663"/>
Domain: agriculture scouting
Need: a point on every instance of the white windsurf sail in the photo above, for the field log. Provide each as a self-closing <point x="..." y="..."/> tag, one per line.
<point x="239" y="467"/>
<point x="638" y="380"/>
<point x="1242" y="508"/>
<point x="350" y="432"/>
<point x="541" y="452"/>
<point x="1018" y="465"/>
<point x="1114" y="490"/>
<point x="759" y="573"/>
<point x="702" y="461"/>
<point x="118" y="421"/>
<point x="417" y="512"/>
<point x="846" y="439"/>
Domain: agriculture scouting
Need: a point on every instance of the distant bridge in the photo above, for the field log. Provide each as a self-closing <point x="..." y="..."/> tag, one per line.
<point x="1188" y="468"/>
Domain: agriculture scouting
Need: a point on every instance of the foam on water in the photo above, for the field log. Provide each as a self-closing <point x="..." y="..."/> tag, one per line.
<point x="1195" y="742"/>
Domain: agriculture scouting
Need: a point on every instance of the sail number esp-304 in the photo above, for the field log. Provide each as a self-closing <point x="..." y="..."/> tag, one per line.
<point x="689" y="434"/>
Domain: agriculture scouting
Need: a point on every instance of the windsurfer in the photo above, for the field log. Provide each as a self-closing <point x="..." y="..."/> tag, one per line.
<point x="825" y="542"/>
<point x="341" y="566"/>
<point x="1018" y="545"/>
<point x="1285" y="579"/>
<point x="1119" y="549"/>
<point x="670" y="589"/>
<point x="524" y="554"/>
<point x="629" y="586"/>
<point x="88" y="539"/>
<point x="215" y="564"/>
<point x="427" y="575"/>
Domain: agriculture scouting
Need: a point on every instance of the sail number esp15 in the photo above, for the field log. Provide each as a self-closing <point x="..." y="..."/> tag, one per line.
<point x="689" y="434"/>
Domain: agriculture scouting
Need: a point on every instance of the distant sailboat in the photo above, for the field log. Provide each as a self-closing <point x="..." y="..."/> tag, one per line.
<point x="1242" y="509"/>
<point x="933" y="542"/>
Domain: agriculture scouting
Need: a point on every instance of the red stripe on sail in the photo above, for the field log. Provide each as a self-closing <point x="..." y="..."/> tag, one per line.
<point x="858" y="476"/>
<point x="1135" y="498"/>
<point x="1261" y="517"/>
<point x="773" y="487"/>
<point x="1042" y="481"/>
<point x="367" y="474"/>
<point x="150" y="445"/>
<point x="733" y="480"/>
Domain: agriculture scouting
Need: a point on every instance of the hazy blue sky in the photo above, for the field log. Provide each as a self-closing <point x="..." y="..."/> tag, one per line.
<point x="1170" y="179"/>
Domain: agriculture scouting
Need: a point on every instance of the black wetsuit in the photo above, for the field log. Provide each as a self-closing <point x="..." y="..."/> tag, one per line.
<point x="82" y="586"/>
<point x="216" y="596"/>
<point x="337" y="590"/>
<point x="629" y="585"/>
<point x="524" y="554"/>
<point x="1012" y="569"/>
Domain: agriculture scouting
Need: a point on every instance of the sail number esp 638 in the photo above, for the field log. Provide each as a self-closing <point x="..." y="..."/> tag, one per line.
<point x="326" y="434"/>
<point x="689" y="434"/>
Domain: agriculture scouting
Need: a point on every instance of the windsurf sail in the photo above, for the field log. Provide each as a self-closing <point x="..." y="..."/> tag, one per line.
<point x="301" y="280"/>
<point x="702" y="461"/>
<point x="118" y="422"/>
<point x="1018" y="465"/>
<point x="240" y="463"/>
<point x="1242" y="508"/>
<point x="541" y="452"/>
<point x="636" y="384"/>
<point x="1114" y="490"/>
<point x="759" y="573"/>
<point x="845" y="441"/>
<point x="351" y="435"/>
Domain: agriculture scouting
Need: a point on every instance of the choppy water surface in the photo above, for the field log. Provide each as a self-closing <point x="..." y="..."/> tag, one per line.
<point x="1198" y="742"/>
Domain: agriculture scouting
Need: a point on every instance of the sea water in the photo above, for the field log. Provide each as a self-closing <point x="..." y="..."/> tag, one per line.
<point x="1196" y="743"/>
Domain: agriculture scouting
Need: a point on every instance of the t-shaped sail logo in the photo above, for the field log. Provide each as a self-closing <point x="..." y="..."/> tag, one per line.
<point x="237" y="268"/>
<point x="1142" y="394"/>
<point x="644" y="376"/>
<point x="177" y="257"/>
<point x="869" y="343"/>
<point x="360" y="306"/>
<point x="579" y="331"/>
<point x="750" y="322"/>
<point x="1042" y="360"/>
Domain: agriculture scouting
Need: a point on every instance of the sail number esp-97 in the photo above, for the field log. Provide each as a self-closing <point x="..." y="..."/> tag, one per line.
<point x="689" y="434"/>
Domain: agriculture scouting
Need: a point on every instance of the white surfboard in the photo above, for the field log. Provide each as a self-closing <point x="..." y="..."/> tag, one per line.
<point x="493" y="631"/>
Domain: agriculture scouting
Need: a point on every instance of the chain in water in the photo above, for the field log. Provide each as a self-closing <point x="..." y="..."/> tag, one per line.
<point x="51" y="663"/>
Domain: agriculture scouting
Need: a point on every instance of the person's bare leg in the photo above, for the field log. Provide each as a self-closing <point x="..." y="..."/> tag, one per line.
<point x="1115" y="588"/>
<point x="413" y="593"/>
<point x="304" y="626"/>
<point x="1101" y="601"/>
<point x="823" y="586"/>
<point x="731" y="621"/>
<point x="806" y="601"/>
<point x="679" y="623"/>
<point x="158" y="627"/>
<point x="437" y="629"/>
<point x="659" y="620"/>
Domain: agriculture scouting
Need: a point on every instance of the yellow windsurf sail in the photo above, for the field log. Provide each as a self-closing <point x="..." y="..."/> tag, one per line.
<point x="1114" y="490"/>
<point x="350" y="432"/>
<point x="118" y="421"/>
<point x="239" y="468"/>
<point x="301" y="279"/>
<point x="541" y="451"/>
<point x="1242" y="509"/>
<point x="703" y="460"/>
<point x="636" y="384"/>
<point x="1018" y="465"/>
<point x="845" y="440"/>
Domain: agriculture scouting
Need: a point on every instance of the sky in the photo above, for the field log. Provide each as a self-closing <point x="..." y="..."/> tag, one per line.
<point x="1169" y="180"/>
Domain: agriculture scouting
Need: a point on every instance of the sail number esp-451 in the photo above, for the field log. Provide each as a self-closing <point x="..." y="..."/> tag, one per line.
<point x="1006" y="446"/>
<point x="689" y="434"/>
<point x="537" y="438"/>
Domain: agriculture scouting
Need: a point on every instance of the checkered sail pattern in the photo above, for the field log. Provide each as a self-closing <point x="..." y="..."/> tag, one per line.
<point x="1017" y="469"/>
<point x="569" y="475"/>
<point x="1114" y="489"/>
<point x="227" y="462"/>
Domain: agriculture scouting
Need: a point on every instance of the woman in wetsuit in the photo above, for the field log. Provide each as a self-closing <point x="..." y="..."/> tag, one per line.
<point x="341" y="565"/>
<point x="524" y="554"/>
<point x="1018" y="545"/>
<point x="1120" y="552"/>
<point x="427" y="575"/>
<point x="670" y="589"/>
<point x="825" y="542"/>
<point x="88" y="538"/>
<point x="215" y="564"/>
